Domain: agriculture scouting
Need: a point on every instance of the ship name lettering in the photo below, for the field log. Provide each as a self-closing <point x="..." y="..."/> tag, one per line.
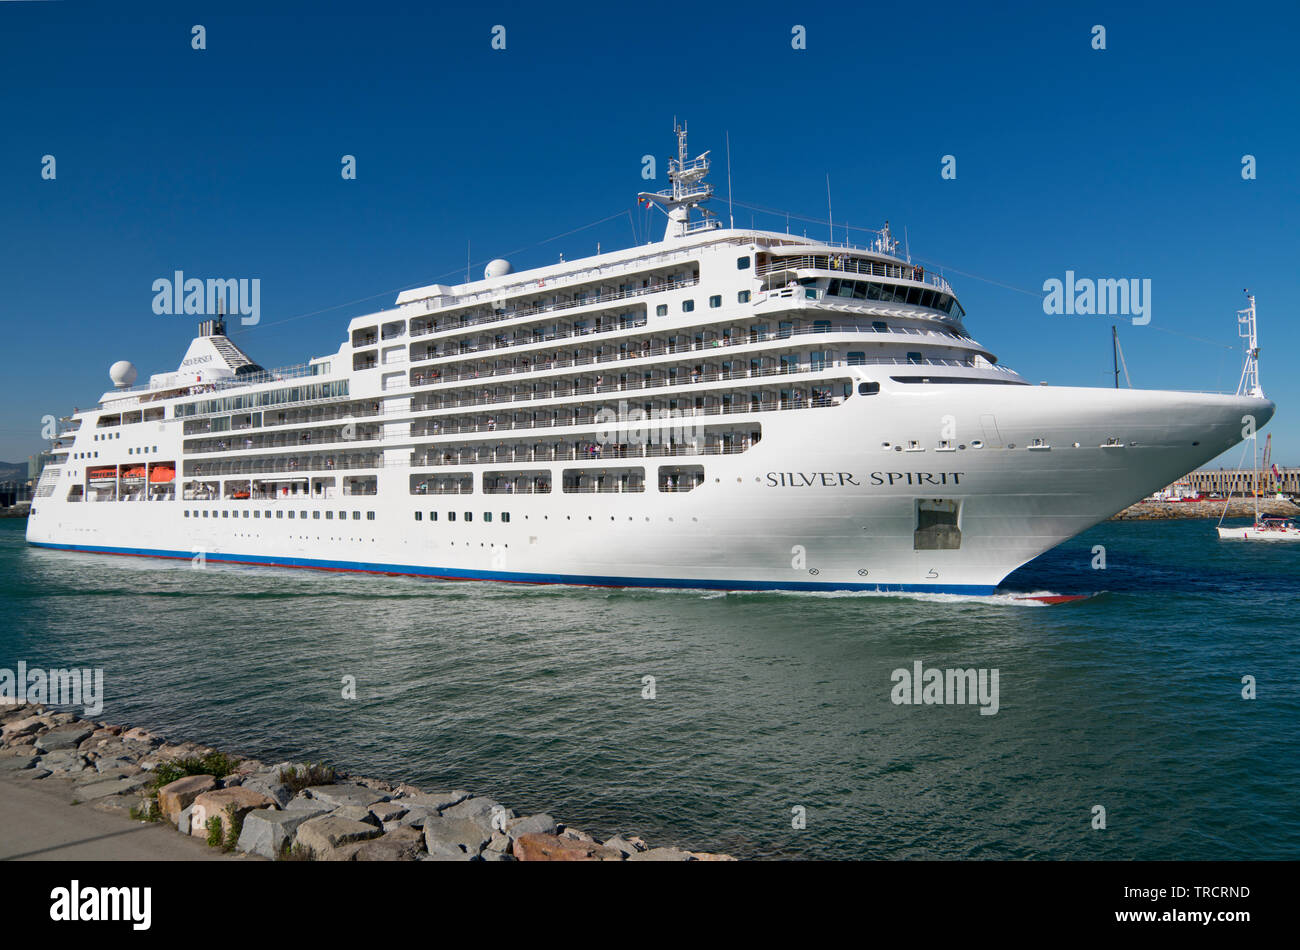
<point x="804" y="479"/>
<point x="916" y="478"/>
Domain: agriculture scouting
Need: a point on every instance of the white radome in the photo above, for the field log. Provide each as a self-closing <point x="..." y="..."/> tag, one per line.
<point x="122" y="373"/>
<point x="497" y="268"/>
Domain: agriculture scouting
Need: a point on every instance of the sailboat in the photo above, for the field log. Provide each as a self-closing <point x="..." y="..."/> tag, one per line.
<point x="1263" y="529"/>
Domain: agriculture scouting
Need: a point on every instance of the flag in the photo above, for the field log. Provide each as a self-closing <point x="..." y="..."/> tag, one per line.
<point x="1277" y="476"/>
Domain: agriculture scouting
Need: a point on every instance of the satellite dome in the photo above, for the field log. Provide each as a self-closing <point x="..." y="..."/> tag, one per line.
<point x="497" y="268"/>
<point x="122" y="373"/>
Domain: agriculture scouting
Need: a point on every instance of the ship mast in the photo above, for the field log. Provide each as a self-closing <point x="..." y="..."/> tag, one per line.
<point x="1249" y="385"/>
<point x="689" y="191"/>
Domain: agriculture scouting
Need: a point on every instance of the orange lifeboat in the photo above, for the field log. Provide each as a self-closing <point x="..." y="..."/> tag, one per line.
<point x="162" y="473"/>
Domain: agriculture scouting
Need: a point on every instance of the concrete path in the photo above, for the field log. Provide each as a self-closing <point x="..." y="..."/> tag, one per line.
<point x="39" y="823"/>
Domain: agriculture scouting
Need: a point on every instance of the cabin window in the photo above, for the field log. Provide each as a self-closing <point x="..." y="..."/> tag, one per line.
<point x="419" y="515"/>
<point x="715" y="300"/>
<point x="857" y="357"/>
<point x="356" y="516"/>
<point x="469" y="516"/>
<point x="487" y="516"/>
<point x="688" y="306"/>
<point x="451" y="516"/>
<point x="868" y="389"/>
<point x="742" y="297"/>
<point x="742" y="263"/>
<point x="433" y="516"/>
<point x="914" y="357"/>
<point x="505" y="516"/>
<point x="370" y="516"/>
<point x="661" y="310"/>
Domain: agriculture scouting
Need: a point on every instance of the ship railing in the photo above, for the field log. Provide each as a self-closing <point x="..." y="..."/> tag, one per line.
<point x="419" y="379"/>
<point x="633" y="324"/>
<point x="605" y="272"/>
<point x="844" y="263"/>
<point x="447" y="325"/>
<point x="595" y="454"/>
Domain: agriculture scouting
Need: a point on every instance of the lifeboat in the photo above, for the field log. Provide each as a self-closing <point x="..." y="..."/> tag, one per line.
<point x="162" y="473"/>
<point x="135" y="474"/>
<point x="102" y="474"/>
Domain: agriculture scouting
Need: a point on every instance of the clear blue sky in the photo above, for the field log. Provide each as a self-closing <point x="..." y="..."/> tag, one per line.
<point x="225" y="163"/>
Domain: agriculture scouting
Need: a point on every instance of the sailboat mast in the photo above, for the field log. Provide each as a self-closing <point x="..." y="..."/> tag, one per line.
<point x="1114" y="352"/>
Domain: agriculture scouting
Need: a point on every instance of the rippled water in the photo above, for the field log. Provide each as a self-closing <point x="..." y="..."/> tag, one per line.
<point x="764" y="701"/>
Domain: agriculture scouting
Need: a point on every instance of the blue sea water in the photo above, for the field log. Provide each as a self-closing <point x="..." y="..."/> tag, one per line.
<point x="1131" y="700"/>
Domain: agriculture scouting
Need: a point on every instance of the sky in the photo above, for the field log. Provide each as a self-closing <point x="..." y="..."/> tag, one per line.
<point x="1122" y="162"/>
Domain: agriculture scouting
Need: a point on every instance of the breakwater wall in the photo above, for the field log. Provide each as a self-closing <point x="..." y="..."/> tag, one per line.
<point x="288" y="811"/>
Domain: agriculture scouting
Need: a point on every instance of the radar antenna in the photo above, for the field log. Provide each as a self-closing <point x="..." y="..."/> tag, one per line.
<point x="688" y="192"/>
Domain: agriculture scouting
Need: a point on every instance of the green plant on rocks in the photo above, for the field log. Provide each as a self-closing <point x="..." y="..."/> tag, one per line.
<point x="296" y="852"/>
<point x="298" y="779"/>
<point x="216" y="764"/>
<point x="234" y="826"/>
<point x="213" y="825"/>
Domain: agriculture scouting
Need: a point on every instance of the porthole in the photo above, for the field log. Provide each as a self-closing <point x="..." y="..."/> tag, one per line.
<point x="977" y="444"/>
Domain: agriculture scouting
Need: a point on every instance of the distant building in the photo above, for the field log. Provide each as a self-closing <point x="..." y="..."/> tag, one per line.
<point x="1237" y="481"/>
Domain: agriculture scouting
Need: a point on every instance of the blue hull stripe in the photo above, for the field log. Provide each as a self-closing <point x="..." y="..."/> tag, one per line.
<point x="441" y="573"/>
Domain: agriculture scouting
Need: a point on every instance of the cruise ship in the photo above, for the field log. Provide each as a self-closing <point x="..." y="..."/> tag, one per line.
<point x="722" y="409"/>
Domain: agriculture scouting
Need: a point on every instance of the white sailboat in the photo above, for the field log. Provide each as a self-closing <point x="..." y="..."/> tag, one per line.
<point x="1263" y="529"/>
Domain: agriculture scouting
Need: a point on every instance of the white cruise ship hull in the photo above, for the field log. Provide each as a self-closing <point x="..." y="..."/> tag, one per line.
<point x="827" y="500"/>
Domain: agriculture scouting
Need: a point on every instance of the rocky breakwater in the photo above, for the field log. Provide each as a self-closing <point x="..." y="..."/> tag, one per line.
<point x="288" y="811"/>
<point x="1237" y="508"/>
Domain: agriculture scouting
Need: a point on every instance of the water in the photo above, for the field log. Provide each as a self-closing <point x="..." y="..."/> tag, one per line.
<point x="764" y="701"/>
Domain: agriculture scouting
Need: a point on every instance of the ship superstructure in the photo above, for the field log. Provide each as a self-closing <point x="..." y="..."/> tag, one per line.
<point x="725" y="408"/>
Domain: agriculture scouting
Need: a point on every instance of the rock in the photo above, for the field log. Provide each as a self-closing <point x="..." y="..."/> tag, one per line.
<point x="573" y="834"/>
<point x="386" y="812"/>
<point x="17" y="763"/>
<point x="20" y="751"/>
<point x="116" y="786"/>
<point x="64" y="760"/>
<point x="67" y="736"/>
<point x="481" y="811"/>
<point x="706" y="856"/>
<point x="662" y="854"/>
<point x="301" y="801"/>
<point x="108" y="765"/>
<point x="32" y="774"/>
<point x="415" y="817"/>
<point x="402" y="845"/>
<point x="436" y="801"/>
<point x="176" y="796"/>
<point x="183" y="820"/>
<point x="336" y="796"/>
<point x="500" y="843"/>
<point x="539" y="847"/>
<point x="490" y="855"/>
<point x="449" y="836"/>
<point x="281" y="793"/>
<point x="619" y="843"/>
<point x="327" y="836"/>
<point x="357" y="813"/>
<point x="267" y="831"/>
<point x="215" y="803"/>
<point x="532" y="825"/>
<point x="141" y="735"/>
<point x="19" y="727"/>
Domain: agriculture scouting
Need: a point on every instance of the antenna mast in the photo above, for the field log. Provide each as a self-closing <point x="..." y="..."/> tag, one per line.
<point x="1249" y="385"/>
